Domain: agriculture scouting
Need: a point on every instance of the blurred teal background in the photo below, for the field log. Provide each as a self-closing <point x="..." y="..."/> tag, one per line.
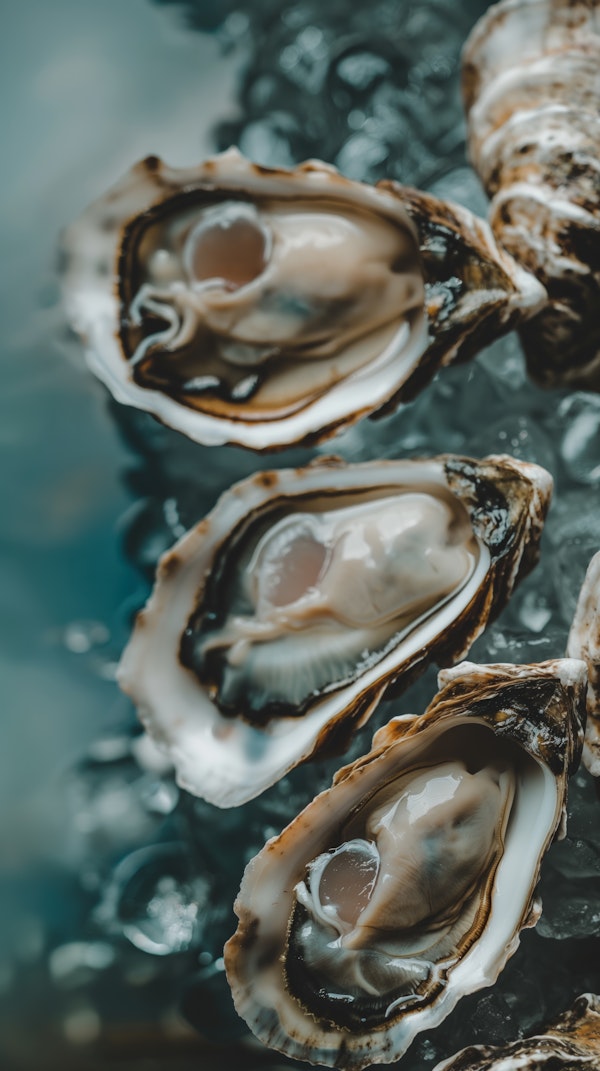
<point x="87" y="88"/>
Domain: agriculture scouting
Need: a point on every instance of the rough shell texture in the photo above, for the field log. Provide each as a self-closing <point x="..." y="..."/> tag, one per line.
<point x="472" y="291"/>
<point x="532" y="93"/>
<point x="572" y="1043"/>
<point x="584" y="642"/>
<point x="537" y="710"/>
<point x="228" y="760"/>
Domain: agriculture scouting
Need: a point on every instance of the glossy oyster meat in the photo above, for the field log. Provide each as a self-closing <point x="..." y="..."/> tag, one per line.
<point x="242" y="304"/>
<point x="584" y="642"/>
<point x="572" y="1043"/>
<point x="532" y="93"/>
<point x="277" y="624"/>
<point x="406" y="884"/>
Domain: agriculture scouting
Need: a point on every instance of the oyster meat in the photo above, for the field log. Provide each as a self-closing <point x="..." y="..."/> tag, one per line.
<point x="532" y="94"/>
<point x="277" y="624"/>
<point x="584" y="642"/>
<point x="268" y="307"/>
<point x="572" y="1043"/>
<point x="406" y="884"/>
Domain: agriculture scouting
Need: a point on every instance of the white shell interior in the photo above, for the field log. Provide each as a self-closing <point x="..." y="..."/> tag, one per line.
<point x="93" y="308"/>
<point x="228" y="761"/>
<point x="267" y="894"/>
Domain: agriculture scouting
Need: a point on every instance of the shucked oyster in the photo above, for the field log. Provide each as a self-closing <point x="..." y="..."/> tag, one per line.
<point x="268" y="307"/>
<point x="277" y="624"/>
<point x="572" y="1043"/>
<point x="406" y="884"/>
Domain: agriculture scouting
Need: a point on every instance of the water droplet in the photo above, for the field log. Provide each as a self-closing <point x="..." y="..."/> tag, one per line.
<point x="154" y="898"/>
<point x="81" y="636"/>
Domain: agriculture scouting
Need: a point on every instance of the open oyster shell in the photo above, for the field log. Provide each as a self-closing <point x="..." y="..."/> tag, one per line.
<point x="242" y="304"/>
<point x="584" y="642"/>
<point x="406" y="884"/>
<point x="572" y="1043"/>
<point x="278" y="623"/>
<point x="532" y="93"/>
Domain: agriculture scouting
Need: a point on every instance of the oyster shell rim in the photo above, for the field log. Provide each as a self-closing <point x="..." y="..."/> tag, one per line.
<point x="94" y="309"/>
<point x="556" y="1040"/>
<point x="455" y="685"/>
<point x="97" y="315"/>
<point x="584" y="642"/>
<point x="219" y="762"/>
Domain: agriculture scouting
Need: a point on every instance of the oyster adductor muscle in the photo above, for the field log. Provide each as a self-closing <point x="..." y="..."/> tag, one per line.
<point x="572" y="1043"/>
<point x="267" y="307"/>
<point x="277" y="624"/>
<point x="381" y="917"/>
<point x="406" y="884"/>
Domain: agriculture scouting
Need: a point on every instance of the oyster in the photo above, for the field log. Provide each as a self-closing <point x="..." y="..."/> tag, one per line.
<point x="277" y="624"/>
<point x="572" y="1043"/>
<point x="584" y="642"/>
<point x="532" y="93"/>
<point x="268" y="307"/>
<point x="405" y="885"/>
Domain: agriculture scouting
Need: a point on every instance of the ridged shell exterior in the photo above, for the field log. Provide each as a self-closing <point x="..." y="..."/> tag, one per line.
<point x="493" y="296"/>
<point x="473" y="291"/>
<point x="539" y="708"/>
<point x="228" y="760"/>
<point x="584" y="642"/>
<point x="572" y="1043"/>
<point x="532" y="93"/>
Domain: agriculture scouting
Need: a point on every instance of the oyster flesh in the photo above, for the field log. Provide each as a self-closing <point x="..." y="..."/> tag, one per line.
<point x="532" y="93"/>
<point x="276" y="625"/>
<point x="572" y="1043"/>
<point x="242" y="304"/>
<point x="584" y="642"/>
<point x="406" y="884"/>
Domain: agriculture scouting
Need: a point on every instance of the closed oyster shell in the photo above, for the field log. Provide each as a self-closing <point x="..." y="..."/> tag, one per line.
<point x="229" y="744"/>
<point x="584" y="642"/>
<point x="242" y="304"/>
<point x="366" y="1000"/>
<point x="532" y="94"/>
<point x="572" y="1043"/>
